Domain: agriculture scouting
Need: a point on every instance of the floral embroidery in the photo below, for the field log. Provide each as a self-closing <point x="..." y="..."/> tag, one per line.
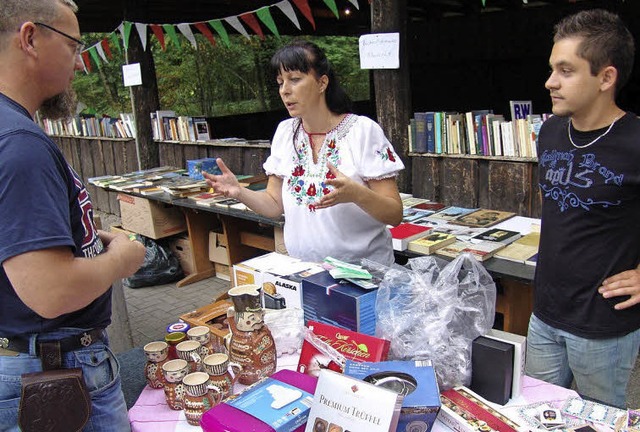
<point x="307" y="181"/>
<point x="387" y="154"/>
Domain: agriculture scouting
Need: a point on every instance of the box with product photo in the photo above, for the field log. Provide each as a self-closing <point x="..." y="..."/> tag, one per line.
<point x="414" y="380"/>
<point x="251" y="271"/>
<point x="285" y="291"/>
<point x="279" y="403"/>
<point x="339" y="303"/>
<point x="150" y="218"/>
<point x="195" y="167"/>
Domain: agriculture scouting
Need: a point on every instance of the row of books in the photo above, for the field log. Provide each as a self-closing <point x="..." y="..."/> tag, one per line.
<point x="475" y="133"/>
<point x="430" y="227"/>
<point x="167" y="126"/>
<point x="91" y="126"/>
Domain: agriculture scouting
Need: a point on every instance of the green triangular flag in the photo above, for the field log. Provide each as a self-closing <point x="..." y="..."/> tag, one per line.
<point x="94" y="55"/>
<point x="265" y="16"/>
<point x="170" y="30"/>
<point x="115" y="41"/>
<point x="127" y="33"/>
<point x="219" y="28"/>
<point x="484" y="3"/>
<point x="333" y="7"/>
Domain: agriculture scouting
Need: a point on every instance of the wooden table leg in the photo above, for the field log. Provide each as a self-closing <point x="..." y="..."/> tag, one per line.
<point x="199" y="224"/>
<point x="515" y="303"/>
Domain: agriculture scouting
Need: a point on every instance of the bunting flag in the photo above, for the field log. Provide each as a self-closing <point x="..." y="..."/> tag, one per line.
<point x="251" y="21"/>
<point x="235" y="23"/>
<point x="484" y="3"/>
<point x="125" y="29"/>
<point x="142" y="32"/>
<point x="303" y="5"/>
<point x="204" y="30"/>
<point x="332" y="5"/>
<point x="100" y="52"/>
<point x="94" y="55"/>
<point x="105" y="47"/>
<point x="86" y="61"/>
<point x="265" y="16"/>
<point x="157" y="30"/>
<point x="287" y="9"/>
<point x="355" y="3"/>
<point x="170" y="30"/>
<point x="115" y="41"/>
<point x="186" y="31"/>
<point x="222" y="32"/>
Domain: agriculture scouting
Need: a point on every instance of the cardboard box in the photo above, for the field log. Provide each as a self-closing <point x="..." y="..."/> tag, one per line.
<point x="222" y="271"/>
<point x="417" y="382"/>
<point x="214" y="316"/>
<point x="196" y="166"/>
<point x="254" y="409"/>
<point x="464" y="411"/>
<point x="218" y="248"/>
<point x="181" y="247"/>
<point x="119" y="229"/>
<point x="251" y="270"/>
<point x="150" y="218"/>
<point x="339" y="303"/>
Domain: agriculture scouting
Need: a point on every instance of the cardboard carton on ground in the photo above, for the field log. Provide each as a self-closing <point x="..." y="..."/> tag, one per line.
<point x="181" y="248"/>
<point x="223" y="271"/>
<point x="218" y="248"/>
<point x="150" y="218"/>
<point x="214" y="316"/>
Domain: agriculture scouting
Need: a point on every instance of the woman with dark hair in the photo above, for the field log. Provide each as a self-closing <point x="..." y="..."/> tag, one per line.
<point x="332" y="173"/>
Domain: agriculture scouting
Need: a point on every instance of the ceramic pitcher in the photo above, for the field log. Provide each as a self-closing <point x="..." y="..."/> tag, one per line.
<point x="174" y="371"/>
<point x="217" y="366"/>
<point x="200" y="396"/>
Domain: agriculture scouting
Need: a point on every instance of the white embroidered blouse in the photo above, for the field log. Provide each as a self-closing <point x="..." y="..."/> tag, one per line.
<point x="359" y="149"/>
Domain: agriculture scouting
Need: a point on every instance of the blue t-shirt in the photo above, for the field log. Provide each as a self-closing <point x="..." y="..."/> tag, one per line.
<point x="43" y="204"/>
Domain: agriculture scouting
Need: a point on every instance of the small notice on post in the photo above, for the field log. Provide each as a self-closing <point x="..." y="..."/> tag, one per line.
<point x="380" y="51"/>
<point x="131" y="74"/>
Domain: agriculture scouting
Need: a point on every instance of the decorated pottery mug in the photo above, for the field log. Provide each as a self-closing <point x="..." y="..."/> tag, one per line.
<point x="200" y="396"/>
<point x="156" y="353"/>
<point x="189" y="350"/>
<point x="174" y="371"/>
<point x="217" y="366"/>
<point x="202" y="334"/>
<point x="247" y="305"/>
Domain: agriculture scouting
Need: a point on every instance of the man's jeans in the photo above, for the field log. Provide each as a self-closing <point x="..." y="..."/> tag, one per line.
<point x="101" y="374"/>
<point x="601" y="367"/>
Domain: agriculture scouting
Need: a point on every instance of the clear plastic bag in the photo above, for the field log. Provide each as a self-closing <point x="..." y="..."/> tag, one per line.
<point x="287" y="328"/>
<point x="433" y="310"/>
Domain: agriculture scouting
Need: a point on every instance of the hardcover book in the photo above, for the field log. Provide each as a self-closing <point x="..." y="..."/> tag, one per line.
<point x="481" y="251"/>
<point x="432" y="242"/>
<point x="522" y="249"/>
<point x="498" y="235"/>
<point x="482" y="218"/>
<point x="492" y="369"/>
<point x="451" y="213"/>
<point x="519" y="356"/>
<point x="406" y="232"/>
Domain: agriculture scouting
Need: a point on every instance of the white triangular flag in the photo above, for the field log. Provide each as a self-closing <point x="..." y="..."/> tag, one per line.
<point x="287" y="9"/>
<point x="235" y="23"/>
<point x="142" y="32"/>
<point x="186" y="31"/>
<point x="355" y="3"/>
<point x="101" y="53"/>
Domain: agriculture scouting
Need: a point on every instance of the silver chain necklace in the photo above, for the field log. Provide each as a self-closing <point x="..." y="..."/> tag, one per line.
<point x="595" y="139"/>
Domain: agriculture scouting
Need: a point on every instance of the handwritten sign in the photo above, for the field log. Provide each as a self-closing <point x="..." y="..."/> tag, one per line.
<point x="131" y="74"/>
<point x="380" y="51"/>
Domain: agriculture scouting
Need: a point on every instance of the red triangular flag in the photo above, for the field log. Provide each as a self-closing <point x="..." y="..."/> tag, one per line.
<point x="303" y="5"/>
<point x="86" y="60"/>
<point x="105" y="48"/>
<point x="204" y="29"/>
<point x="252" y="22"/>
<point x="157" y="30"/>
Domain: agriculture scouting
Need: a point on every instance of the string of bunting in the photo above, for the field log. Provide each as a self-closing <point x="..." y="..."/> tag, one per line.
<point x="100" y="52"/>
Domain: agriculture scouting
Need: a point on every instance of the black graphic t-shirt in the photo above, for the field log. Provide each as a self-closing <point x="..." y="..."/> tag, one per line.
<point x="590" y="225"/>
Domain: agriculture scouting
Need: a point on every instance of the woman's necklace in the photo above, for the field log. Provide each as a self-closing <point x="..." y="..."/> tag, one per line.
<point x="595" y="139"/>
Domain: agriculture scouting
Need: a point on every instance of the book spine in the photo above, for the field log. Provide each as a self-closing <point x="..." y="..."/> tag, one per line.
<point x="430" y="132"/>
<point x="421" y="132"/>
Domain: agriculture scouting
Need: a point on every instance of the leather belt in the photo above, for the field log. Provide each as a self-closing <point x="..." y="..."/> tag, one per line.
<point x="70" y="343"/>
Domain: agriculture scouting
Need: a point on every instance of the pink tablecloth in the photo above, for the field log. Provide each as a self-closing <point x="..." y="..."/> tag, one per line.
<point x="151" y="413"/>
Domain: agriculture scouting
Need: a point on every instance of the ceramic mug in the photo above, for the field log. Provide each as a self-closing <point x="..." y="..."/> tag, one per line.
<point x="217" y="366"/>
<point x="202" y="334"/>
<point x="200" y="396"/>
<point x="174" y="371"/>
<point x="156" y="353"/>
<point x="189" y="350"/>
<point x="247" y="305"/>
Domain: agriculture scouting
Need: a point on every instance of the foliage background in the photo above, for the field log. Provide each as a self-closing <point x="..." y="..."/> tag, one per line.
<point x="213" y="80"/>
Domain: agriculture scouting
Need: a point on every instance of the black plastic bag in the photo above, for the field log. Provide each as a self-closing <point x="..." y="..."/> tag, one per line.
<point x="160" y="266"/>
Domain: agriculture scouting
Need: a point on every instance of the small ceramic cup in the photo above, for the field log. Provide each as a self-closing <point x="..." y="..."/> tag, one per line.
<point x="189" y="350"/>
<point x="156" y="353"/>
<point x="174" y="371"/>
<point x="217" y="366"/>
<point x="202" y="334"/>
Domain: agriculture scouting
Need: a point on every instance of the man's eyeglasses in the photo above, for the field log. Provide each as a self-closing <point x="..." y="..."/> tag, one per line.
<point x="79" y="44"/>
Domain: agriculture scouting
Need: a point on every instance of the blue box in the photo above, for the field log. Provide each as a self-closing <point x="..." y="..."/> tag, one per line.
<point x="339" y="303"/>
<point x="196" y="166"/>
<point x="415" y="379"/>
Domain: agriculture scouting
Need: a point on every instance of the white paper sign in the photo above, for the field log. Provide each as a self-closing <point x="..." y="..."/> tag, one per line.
<point x="131" y="74"/>
<point x="380" y="51"/>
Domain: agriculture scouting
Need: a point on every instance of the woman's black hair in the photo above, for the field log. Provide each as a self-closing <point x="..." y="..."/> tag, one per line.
<point x="305" y="56"/>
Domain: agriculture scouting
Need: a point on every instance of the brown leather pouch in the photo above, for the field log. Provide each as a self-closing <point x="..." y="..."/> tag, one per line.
<point x="54" y="400"/>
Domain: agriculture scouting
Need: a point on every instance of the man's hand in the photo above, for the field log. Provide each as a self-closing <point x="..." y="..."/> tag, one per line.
<point x="625" y="283"/>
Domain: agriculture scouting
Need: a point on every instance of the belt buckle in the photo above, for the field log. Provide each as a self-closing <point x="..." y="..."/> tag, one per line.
<point x="86" y="339"/>
<point x="4" y="343"/>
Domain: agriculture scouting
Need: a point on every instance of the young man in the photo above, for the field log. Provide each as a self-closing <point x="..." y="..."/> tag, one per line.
<point x="56" y="267"/>
<point x="586" y="317"/>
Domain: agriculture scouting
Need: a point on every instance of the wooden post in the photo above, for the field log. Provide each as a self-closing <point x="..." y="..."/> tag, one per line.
<point x="392" y="86"/>
<point x="144" y="100"/>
